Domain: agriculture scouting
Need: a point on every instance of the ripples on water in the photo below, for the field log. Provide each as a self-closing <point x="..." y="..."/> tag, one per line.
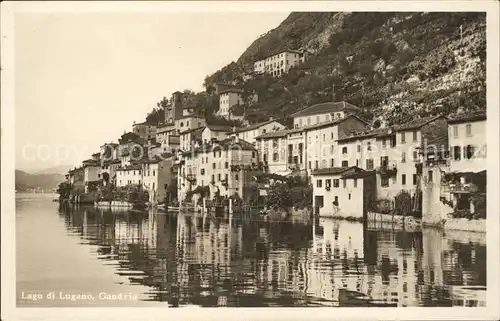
<point x="190" y="260"/>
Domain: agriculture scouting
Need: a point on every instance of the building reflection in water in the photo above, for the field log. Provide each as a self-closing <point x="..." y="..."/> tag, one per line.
<point x="192" y="260"/>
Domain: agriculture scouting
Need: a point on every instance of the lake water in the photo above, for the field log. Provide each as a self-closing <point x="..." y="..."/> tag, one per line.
<point x="93" y="257"/>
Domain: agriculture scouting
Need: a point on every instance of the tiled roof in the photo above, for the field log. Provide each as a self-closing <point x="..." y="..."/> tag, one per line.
<point x="366" y="133"/>
<point x="359" y="174"/>
<point x="255" y="126"/>
<point x="279" y="133"/>
<point x="323" y="108"/>
<point x="228" y="143"/>
<point x="130" y="167"/>
<point x="285" y="132"/>
<point x="467" y="117"/>
<point x="195" y="131"/>
<point x="334" y="170"/>
<point x="416" y="123"/>
<point x="220" y="128"/>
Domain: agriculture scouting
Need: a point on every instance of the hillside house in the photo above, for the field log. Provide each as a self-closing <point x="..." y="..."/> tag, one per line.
<point x="280" y="63"/>
<point x="167" y="136"/>
<point x="157" y="176"/>
<point x="249" y="133"/>
<point x="323" y="112"/>
<point x="144" y="130"/>
<point x="230" y="97"/>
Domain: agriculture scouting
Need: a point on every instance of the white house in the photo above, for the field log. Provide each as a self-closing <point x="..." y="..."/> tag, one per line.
<point x="157" y="175"/>
<point x="129" y="175"/>
<point x="343" y="191"/>
<point x="323" y="112"/>
<point x="227" y="99"/>
<point x="249" y="133"/>
<point x="280" y="63"/>
<point x="467" y="140"/>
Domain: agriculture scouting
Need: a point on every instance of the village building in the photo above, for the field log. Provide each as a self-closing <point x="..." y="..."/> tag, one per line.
<point x="157" y="177"/>
<point x="215" y="132"/>
<point x="167" y="136"/>
<point x="230" y="97"/>
<point x="392" y="152"/>
<point x="179" y="105"/>
<point x="217" y="165"/>
<point x="189" y="137"/>
<point x="323" y="112"/>
<point x="77" y="179"/>
<point x="305" y="149"/>
<point x="144" y="130"/>
<point x="189" y="122"/>
<point x="249" y="133"/>
<point x="467" y="139"/>
<point x="129" y="175"/>
<point x="280" y="63"/>
<point x="343" y="191"/>
<point x="91" y="172"/>
<point x="109" y="152"/>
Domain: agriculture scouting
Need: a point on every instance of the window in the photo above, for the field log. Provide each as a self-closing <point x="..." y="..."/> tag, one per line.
<point x="344" y="183"/>
<point x="331" y="135"/>
<point x="336" y="183"/>
<point x="309" y="120"/>
<point x="336" y="201"/>
<point x="319" y="183"/>
<point x="349" y="195"/>
<point x="384" y="143"/>
<point x="415" y="155"/>
<point x="468" y="130"/>
<point x="202" y="171"/>
<point x="456" y="153"/>
<point x="344" y="150"/>
<point x="403" y="157"/>
<point x="253" y="155"/>
<point x="403" y="179"/>
<point x="275" y="143"/>
<point x="220" y="153"/>
<point x="415" y="136"/>
<point x="332" y="162"/>
<point x="357" y="162"/>
<point x="369" y="146"/>
<point x="455" y="131"/>
<point x="430" y="177"/>
<point x="469" y="151"/>
<point x="153" y="172"/>
<point x="331" y="150"/>
<point x="317" y="164"/>
<point x="369" y="164"/>
<point x="384" y="182"/>
<point x="324" y="137"/>
<point x="213" y="178"/>
<point x="355" y="182"/>
<point x="359" y="148"/>
<point x="218" y="177"/>
<point x="328" y="183"/>
<point x="213" y="165"/>
<point x="236" y="177"/>
<point x="345" y="163"/>
<point x="403" y="138"/>
<point x="215" y="154"/>
<point x="414" y="179"/>
<point x="310" y="164"/>
<point x="275" y="157"/>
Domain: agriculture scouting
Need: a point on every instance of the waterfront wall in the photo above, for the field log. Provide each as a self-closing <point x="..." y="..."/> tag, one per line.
<point x="120" y="204"/>
<point x="392" y="219"/>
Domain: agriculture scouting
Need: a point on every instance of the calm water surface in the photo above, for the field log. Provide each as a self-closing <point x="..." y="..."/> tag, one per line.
<point x="155" y="259"/>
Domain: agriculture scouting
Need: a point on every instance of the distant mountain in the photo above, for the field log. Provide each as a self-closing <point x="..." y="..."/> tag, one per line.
<point x="25" y="181"/>
<point x="394" y="65"/>
<point x="61" y="169"/>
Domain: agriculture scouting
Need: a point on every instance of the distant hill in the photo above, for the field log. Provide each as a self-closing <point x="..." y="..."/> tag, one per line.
<point x="25" y="181"/>
<point x="394" y="65"/>
<point x="61" y="169"/>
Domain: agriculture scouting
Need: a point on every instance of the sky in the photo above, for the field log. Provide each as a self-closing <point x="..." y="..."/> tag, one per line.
<point x="82" y="79"/>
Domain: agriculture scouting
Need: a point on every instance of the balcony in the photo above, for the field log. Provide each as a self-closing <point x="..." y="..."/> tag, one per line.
<point x="460" y="188"/>
<point x="387" y="170"/>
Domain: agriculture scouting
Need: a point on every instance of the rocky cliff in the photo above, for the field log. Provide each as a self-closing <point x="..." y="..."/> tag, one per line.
<point x="395" y="66"/>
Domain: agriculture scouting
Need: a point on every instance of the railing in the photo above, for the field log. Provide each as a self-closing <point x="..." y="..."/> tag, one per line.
<point x="462" y="188"/>
<point x="387" y="170"/>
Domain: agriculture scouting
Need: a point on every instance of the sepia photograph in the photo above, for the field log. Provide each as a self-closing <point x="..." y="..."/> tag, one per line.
<point x="250" y="155"/>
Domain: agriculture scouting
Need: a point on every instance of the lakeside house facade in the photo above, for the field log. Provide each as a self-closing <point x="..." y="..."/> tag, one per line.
<point x="213" y="164"/>
<point x="343" y="191"/>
